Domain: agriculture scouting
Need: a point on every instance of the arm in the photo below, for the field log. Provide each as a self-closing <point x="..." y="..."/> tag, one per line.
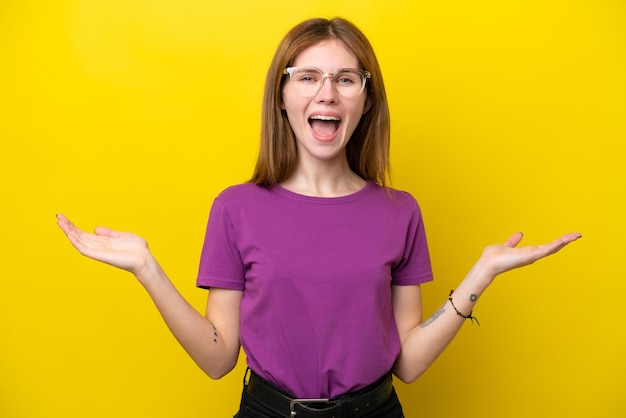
<point x="423" y="342"/>
<point x="211" y="341"/>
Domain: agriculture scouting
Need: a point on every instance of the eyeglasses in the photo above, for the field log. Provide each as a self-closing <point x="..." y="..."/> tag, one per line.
<point x="308" y="81"/>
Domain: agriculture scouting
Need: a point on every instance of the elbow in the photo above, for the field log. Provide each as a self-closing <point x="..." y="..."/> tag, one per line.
<point x="216" y="374"/>
<point x="217" y="370"/>
<point x="407" y="375"/>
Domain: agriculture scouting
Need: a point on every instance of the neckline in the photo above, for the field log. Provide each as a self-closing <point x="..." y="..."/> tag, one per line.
<point x="325" y="200"/>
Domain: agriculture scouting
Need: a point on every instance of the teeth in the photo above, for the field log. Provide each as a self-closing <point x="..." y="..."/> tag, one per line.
<point x="323" y="117"/>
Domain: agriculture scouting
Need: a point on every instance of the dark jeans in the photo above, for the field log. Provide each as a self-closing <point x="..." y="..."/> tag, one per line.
<point x="251" y="408"/>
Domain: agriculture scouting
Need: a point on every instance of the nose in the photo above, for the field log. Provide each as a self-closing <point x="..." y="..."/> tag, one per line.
<point x="327" y="91"/>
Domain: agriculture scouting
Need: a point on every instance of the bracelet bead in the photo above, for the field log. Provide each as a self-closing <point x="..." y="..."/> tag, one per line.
<point x="470" y="316"/>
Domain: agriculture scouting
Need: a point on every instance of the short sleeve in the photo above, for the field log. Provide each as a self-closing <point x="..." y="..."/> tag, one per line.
<point x="220" y="261"/>
<point x="415" y="266"/>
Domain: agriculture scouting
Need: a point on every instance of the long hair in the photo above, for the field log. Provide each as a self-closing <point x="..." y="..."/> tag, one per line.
<point x="368" y="148"/>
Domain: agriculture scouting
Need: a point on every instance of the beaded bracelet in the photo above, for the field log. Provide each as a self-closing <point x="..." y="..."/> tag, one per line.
<point x="470" y="317"/>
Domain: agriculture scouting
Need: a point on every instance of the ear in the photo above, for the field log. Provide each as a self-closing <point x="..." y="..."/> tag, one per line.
<point x="368" y="105"/>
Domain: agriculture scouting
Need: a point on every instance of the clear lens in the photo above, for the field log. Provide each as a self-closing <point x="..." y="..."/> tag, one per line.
<point x="309" y="80"/>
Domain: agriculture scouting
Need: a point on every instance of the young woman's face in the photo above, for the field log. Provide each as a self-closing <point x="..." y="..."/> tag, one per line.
<point x="323" y="123"/>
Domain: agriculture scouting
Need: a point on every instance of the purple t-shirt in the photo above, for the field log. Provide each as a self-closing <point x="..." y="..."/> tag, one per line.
<point x="316" y="313"/>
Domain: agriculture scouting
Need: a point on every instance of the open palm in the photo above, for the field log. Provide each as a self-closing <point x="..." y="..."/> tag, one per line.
<point x="120" y="249"/>
<point x="500" y="258"/>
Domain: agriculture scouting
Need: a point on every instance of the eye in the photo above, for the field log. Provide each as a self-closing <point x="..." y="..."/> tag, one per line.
<point x="306" y="76"/>
<point x="347" y="77"/>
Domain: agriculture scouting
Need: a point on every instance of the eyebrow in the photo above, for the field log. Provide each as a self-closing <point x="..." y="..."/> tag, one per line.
<point x="338" y="70"/>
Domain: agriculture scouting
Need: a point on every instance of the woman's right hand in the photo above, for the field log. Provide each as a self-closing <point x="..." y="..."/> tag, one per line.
<point x="119" y="249"/>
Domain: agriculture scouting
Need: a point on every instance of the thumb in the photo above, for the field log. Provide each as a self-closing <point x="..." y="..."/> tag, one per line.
<point x="514" y="240"/>
<point x="103" y="230"/>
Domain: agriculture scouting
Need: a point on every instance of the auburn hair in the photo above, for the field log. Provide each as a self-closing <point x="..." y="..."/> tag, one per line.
<point x="368" y="148"/>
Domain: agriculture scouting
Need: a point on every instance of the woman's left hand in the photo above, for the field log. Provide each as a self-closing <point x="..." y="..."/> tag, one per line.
<point x="501" y="258"/>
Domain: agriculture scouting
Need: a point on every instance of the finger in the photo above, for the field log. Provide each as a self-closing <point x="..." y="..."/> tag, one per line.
<point x="514" y="240"/>
<point x="103" y="230"/>
<point x="560" y="242"/>
<point x="67" y="226"/>
<point x="63" y="222"/>
<point x="77" y="237"/>
<point x="572" y="236"/>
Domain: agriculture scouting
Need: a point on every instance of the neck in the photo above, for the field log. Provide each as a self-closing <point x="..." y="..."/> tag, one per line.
<point x="324" y="179"/>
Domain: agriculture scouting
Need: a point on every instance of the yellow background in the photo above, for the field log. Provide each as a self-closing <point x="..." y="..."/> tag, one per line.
<point x="506" y="115"/>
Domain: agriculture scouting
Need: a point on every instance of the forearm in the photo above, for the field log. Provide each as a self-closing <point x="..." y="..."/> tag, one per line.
<point x="207" y="340"/>
<point x="425" y="342"/>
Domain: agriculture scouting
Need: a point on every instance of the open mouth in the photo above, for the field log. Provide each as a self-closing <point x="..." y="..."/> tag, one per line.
<point x="324" y="125"/>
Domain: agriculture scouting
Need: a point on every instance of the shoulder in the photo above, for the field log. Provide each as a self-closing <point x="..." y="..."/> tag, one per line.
<point x="393" y="197"/>
<point x="246" y="200"/>
<point x="241" y="193"/>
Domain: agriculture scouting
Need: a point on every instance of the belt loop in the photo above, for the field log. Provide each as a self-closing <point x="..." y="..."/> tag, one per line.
<point x="245" y="377"/>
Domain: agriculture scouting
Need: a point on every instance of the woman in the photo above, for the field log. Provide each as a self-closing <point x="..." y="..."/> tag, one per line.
<point x="315" y="265"/>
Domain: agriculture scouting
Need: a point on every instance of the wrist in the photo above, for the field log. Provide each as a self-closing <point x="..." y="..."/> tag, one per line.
<point x="470" y="315"/>
<point x="480" y="276"/>
<point x="149" y="273"/>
